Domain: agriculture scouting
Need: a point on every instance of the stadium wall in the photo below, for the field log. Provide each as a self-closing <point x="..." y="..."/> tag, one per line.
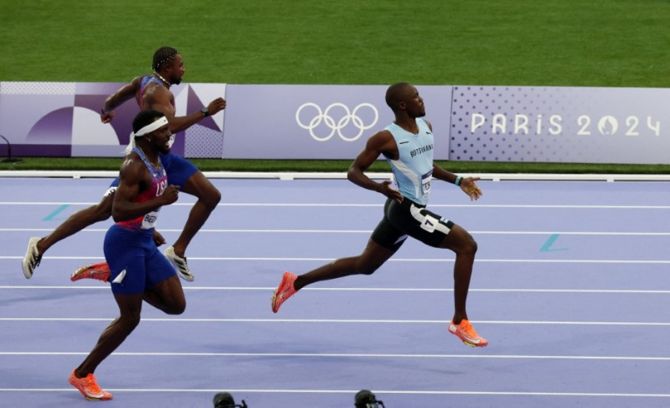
<point x="481" y="123"/>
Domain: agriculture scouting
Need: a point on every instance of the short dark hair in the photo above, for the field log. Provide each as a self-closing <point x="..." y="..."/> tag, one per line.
<point x="162" y="56"/>
<point x="144" y="118"/>
<point x="394" y="94"/>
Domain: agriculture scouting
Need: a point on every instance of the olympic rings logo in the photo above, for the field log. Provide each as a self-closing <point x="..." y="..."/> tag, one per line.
<point x="328" y="119"/>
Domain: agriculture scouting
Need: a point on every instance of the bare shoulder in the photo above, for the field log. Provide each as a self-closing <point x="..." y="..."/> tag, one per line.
<point x="380" y="138"/>
<point x="383" y="142"/>
<point x="132" y="168"/>
<point x="154" y="89"/>
<point x="134" y="85"/>
<point x="159" y="98"/>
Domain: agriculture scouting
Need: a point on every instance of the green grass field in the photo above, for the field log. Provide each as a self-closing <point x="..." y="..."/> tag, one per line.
<point x="620" y="43"/>
<point x="108" y="163"/>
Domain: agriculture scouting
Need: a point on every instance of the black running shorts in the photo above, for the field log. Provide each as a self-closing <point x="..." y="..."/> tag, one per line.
<point x="410" y="218"/>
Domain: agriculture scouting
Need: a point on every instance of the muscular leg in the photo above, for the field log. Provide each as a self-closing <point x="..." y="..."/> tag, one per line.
<point x="366" y="263"/>
<point x="77" y="222"/>
<point x="197" y="185"/>
<point x="465" y="247"/>
<point x="167" y="296"/>
<point x="130" y="307"/>
<point x="208" y="197"/>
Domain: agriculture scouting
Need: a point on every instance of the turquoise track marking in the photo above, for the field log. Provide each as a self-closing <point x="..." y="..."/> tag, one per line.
<point x="55" y="212"/>
<point x="548" y="245"/>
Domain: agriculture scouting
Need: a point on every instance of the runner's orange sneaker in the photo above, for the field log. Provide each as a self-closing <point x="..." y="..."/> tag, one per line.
<point x="99" y="271"/>
<point x="89" y="388"/>
<point x="467" y="334"/>
<point x="284" y="291"/>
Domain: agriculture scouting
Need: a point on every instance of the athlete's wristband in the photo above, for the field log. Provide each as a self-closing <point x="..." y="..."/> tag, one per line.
<point x="458" y="180"/>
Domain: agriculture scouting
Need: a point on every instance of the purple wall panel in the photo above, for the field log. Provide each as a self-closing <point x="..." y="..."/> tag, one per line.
<point x="480" y="123"/>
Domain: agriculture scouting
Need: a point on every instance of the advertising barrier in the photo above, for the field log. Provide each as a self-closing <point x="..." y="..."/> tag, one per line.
<point x="560" y="124"/>
<point x="317" y="121"/>
<point x="62" y="119"/>
<point x="473" y="123"/>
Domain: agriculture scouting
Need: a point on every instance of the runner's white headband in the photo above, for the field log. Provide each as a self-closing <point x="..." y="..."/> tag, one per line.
<point x="155" y="125"/>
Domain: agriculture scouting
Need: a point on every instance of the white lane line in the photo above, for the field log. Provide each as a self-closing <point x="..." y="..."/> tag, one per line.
<point x="354" y="391"/>
<point x="372" y="205"/>
<point x="346" y="289"/>
<point x="352" y="231"/>
<point x="345" y="355"/>
<point x="339" y="321"/>
<point x="418" y="260"/>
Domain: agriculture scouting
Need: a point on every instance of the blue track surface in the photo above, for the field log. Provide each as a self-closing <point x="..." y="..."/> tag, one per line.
<point x="570" y="286"/>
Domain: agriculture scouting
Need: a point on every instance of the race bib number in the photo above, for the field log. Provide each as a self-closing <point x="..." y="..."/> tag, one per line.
<point x="425" y="182"/>
<point x="149" y="220"/>
<point x="429" y="223"/>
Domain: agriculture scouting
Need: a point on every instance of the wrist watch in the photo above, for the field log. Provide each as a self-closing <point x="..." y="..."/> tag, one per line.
<point x="204" y="112"/>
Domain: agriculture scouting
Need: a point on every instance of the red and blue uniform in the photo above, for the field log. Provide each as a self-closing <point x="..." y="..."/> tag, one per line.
<point x="130" y="251"/>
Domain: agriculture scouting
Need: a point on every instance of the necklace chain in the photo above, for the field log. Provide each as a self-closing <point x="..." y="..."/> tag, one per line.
<point x="155" y="168"/>
<point x="162" y="79"/>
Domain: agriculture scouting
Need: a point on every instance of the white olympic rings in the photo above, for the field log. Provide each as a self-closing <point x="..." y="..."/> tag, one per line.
<point x="336" y="126"/>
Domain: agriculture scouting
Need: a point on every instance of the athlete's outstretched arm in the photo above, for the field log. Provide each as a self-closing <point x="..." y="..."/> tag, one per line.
<point x="381" y="143"/>
<point x="124" y="93"/>
<point x="162" y="101"/>
<point x="467" y="184"/>
<point x="442" y="174"/>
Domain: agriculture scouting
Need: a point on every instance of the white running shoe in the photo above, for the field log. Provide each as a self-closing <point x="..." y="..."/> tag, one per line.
<point x="32" y="258"/>
<point x="179" y="264"/>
